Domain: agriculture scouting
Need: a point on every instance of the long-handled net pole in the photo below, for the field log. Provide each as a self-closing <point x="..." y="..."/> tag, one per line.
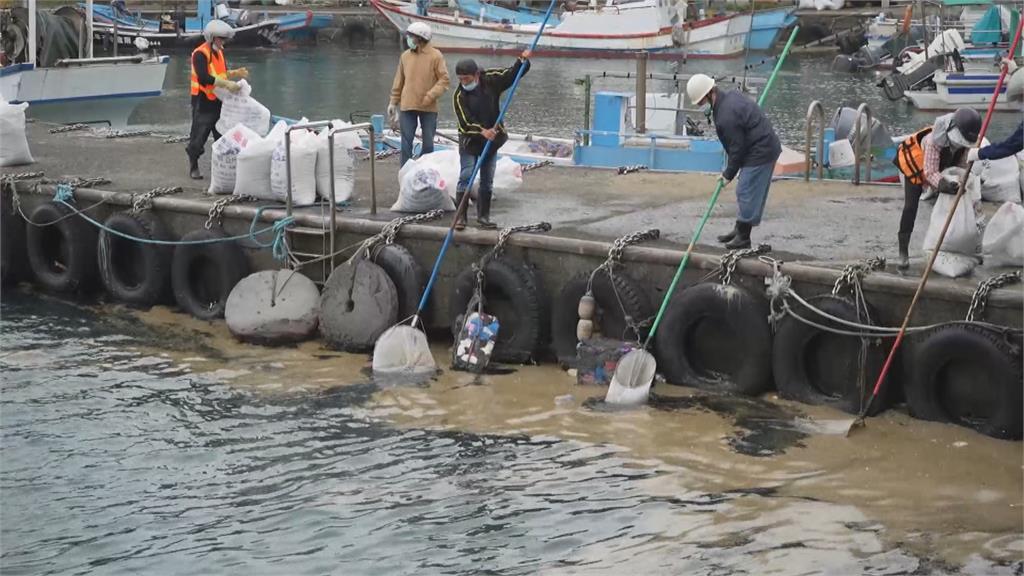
<point x="461" y="208"/>
<point x="711" y="203"/>
<point x="942" y="236"/>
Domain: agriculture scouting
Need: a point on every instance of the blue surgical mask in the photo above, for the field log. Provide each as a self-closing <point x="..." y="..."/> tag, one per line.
<point x="708" y="111"/>
<point x="410" y="42"/>
<point x="470" y="87"/>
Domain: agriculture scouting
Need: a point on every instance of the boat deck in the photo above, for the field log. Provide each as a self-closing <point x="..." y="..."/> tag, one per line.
<point x="822" y="225"/>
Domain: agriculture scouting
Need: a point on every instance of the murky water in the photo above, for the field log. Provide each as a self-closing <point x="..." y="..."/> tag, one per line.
<point x="151" y="443"/>
<point x="331" y="81"/>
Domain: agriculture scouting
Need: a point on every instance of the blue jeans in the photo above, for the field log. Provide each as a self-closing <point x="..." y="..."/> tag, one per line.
<point x="485" y="178"/>
<point x="407" y="120"/>
<point x="752" y="191"/>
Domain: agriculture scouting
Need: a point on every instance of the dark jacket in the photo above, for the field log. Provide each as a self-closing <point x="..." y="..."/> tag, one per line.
<point x="478" y="109"/>
<point x="745" y="132"/>
<point x="1006" y="148"/>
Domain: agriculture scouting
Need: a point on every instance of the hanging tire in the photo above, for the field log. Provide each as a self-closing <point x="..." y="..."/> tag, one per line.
<point x="407" y="275"/>
<point x="359" y="302"/>
<point x="12" y="240"/>
<point x="818" y="367"/>
<point x="134" y="272"/>
<point x="202" y="275"/>
<point x="717" y="337"/>
<point x="619" y="302"/>
<point x="511" y="294"/>
<point x="968" y="375"/>
<point x="62" y="256"/>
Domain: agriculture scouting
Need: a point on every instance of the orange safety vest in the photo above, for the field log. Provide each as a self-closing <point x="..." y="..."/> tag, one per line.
<point x="910" y="156"/>
<point x="218" y="69"/>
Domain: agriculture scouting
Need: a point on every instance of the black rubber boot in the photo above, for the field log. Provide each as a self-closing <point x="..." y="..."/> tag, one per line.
<point x="193" y="169"/>
<point x="904" y="243"/>
<point x="460" y="223"/>
<point x="742" y="237"/>
<point x="723" y="238"/>
<point x="483" y="212"/>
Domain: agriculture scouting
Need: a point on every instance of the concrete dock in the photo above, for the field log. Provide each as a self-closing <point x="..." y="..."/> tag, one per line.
<point x="816" y="227"/>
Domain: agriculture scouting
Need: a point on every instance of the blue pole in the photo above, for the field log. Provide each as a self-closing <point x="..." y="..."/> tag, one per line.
<point x="476" y="168"/>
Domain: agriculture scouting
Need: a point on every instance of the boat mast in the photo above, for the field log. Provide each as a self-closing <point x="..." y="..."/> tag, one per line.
<point x="32" y="31"/>
<point x="88" y="28"/>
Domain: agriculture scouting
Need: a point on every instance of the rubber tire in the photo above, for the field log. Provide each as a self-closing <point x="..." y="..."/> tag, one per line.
<point x="408" y="276"/>
<point x="510" y="293"/>
<point x="816" y="367"/>
<point x="358" y="304"/>
<point x="222" y="265"/>
<point x="607" y="312"/>
<point x="988" y="366"/>
<point x="121" y="258"/>
<point x="740" y="337"/>
<point x="75" y="240"/>
<point x="12" y="241"/>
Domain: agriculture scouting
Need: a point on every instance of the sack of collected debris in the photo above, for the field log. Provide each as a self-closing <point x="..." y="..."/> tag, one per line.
<point x="13" y="143"/>
<point x="304" y="144"/>
<point x="1003" y="242"/>
<point x="241" y="108"/>
<point x="345" y="146"/>
<point x="224" y="160"/>
<point x="422" y="189"/>
<point x="959" y="247"/>
<point x="1000" y="179"/>
<point x="508" y="174"/>
<point x="252" y="172"/>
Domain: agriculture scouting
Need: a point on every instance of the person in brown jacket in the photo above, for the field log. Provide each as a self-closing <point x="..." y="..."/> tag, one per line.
<point x="421" y="79"/>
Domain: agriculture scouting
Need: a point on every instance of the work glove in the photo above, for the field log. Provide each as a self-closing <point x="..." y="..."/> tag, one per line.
<point x="229" y="85"/>
<point x="948" y="186"/>
<point x="972" y="155"/>
<point x="393" y="115"/>
<point x="239" y="73"/>
<point x="723" y="180"/>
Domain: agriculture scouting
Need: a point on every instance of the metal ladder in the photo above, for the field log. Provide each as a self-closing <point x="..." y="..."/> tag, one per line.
<point x="328" y="226"/>
<point x="815" y="110"/>
<point x="861" y="146"/>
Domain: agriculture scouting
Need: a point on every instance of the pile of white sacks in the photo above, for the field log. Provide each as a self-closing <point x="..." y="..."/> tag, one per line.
<point x="249" y="158"/>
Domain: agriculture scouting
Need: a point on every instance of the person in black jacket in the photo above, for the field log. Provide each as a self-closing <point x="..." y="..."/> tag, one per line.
<point x="477" y="102"/>
<point x="752" y="148"/>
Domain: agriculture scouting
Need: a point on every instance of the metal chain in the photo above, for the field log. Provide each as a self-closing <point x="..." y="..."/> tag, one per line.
<point x="177" y="139"/>
<point x="852" y="274"/>
<point x="630" y="169"/>
<point x="383" y="154"/>
<point x="21" y="176"/>
<point x="125" y="133"/>
<point x="217" y="209"/>
<point x="142" y="202"/>
<point x="985" y="287"/>
<point x="731" y="258"/>
<point x="69" y="128"/>
<point x="535" y="165"/>
<point x="79" y="182"/>
<point x="505" y="234"/>
<point x="620" y="244"/>
<point x="391" y="229"/>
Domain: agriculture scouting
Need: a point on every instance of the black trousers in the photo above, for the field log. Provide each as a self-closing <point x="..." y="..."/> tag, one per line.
<point x="911" y="198"/>
<point x="203" y="124"/>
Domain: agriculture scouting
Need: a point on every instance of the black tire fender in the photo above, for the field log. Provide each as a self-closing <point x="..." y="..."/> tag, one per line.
<point x="814" y="366"/>
<point x="406" y="273"/>
<point x="969" y="375"/>
<point x="62" y="256"/>
<point x="608" y="312"/>
<point x="202" y="275"/>
<point x="717" y="337"/>
<point x="511" y="294"/>
<point x="134" y="272"/>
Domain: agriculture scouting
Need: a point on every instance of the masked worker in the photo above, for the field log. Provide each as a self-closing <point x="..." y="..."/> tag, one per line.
<point x="1015" y="143"/>
<point x="477" y="103"/>
<point x="209" y="70"/>
<point x="752" y="148"/>
<point x="923" y="156"/>
<point x="421" y="78"/>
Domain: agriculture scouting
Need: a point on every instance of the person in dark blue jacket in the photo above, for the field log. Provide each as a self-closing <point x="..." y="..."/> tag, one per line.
<point x="1015" y="143"/>
<point x="752" y="148"/>
<point x="477" y="104"/>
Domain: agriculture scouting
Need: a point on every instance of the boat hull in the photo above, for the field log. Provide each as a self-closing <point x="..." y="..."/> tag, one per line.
<point x="767" y="26"/>
<point x="719" y="37"/>
<point x="93" y="93"/>
<point x="955" y="90"/>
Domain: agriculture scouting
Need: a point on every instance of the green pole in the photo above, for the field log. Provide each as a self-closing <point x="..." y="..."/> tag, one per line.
<point x="711" y="206"/>
<point x="586" y="110"/>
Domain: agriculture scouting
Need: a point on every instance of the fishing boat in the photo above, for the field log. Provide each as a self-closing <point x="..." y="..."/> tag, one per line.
<point x="952" y="90"/>
<point x="767" y="26"/>
<point x="62" y="88"/>
<point x="599" y="32"/>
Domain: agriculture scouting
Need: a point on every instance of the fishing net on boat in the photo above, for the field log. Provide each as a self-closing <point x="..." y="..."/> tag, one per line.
<point x="57" y="35"/>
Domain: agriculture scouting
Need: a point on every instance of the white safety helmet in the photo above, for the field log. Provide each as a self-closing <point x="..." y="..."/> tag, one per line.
<point x="1015" y="86"/>
<point x="698" y="87"/>
<point x="419" y="29"/>
<point x="218" y="29"/>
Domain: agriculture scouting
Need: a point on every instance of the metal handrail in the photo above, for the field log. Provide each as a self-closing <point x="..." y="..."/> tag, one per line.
<point x="646" y="135"/>
<point x="858" y="146"/>
<point x="814" y="110"/>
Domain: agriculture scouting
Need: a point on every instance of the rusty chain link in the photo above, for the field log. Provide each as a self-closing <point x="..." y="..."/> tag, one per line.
<point x="141" y="202"/>
<point x="852" y="274"/>
<point x="731" y="258"/>
<point x="985" y="287"/>
<point x="216" y="211"/>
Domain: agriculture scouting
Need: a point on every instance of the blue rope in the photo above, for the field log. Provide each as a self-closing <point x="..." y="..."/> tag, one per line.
<point x="278" y="228"/>
<point x="65" y="193"/>
<point x="279" y="245"/>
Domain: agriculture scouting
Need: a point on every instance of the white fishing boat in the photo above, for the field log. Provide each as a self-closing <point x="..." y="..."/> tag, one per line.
<point x="717" y="37"/>
<point x="77" y="90"/>
<point x="616" y="28"/>
<point x="954" y="90"/>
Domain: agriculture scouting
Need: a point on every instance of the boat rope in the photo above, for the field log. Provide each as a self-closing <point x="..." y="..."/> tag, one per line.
<point x="980" y="297"/>
<point x="729" y="260"/>
<point x="143" y="202"/>
<point x="279" y="244"/>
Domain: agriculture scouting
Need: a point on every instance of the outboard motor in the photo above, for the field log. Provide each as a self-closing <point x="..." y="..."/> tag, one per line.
<point x="845" y="64"/>
<point x="842" y="123"/>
